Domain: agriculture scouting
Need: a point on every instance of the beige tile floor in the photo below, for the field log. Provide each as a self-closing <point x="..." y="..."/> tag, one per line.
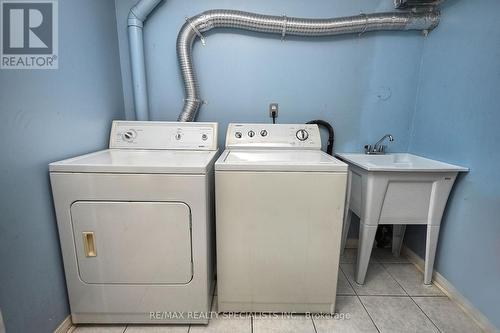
<point x="393" y="299"/>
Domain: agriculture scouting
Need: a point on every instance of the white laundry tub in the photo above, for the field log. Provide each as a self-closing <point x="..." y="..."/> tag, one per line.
<point x="396" y="189"/>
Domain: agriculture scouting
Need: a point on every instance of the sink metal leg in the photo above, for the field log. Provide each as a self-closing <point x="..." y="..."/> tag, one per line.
<point x="398" y="234"/>
<point x="365" y="245"/>
<point x="430" y="252"/>
<point x="345" y="229"/>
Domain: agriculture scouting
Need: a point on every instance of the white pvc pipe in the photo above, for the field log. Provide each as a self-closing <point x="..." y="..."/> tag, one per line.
<point x="137" y="15"/>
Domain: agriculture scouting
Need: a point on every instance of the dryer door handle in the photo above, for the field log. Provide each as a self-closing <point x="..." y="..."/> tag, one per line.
<point x="89" y="244"/>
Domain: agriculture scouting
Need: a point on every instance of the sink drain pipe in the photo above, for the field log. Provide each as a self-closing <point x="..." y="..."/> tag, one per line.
<point x="136" y="17"/>
<point x="195" y="26"/>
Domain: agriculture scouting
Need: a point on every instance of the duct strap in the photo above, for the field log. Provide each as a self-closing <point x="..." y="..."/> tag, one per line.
<point x="366" y="24"/>
<point x="197" y="32"/>
<point x="196" y="100"/>
<point x="283" y="31"/>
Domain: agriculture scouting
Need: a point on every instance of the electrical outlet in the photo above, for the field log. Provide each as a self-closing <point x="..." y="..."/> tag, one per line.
<point x="273" y="110"/>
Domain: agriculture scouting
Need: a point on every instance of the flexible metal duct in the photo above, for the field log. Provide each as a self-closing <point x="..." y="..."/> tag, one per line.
<point x="403" y="4"/>
<point x="282" y="25"/>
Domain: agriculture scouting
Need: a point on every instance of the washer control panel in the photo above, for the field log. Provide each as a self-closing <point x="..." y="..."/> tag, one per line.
<point x="286" y="136"/>
<point x="163" y="135"/>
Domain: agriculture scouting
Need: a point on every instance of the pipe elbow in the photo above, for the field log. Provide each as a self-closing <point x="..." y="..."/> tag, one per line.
<point x="133" y="20"/>
<point x="138" y="14"/>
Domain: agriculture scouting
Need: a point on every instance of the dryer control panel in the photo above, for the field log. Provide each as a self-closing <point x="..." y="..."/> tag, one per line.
<point x="283" y="136"/>
<point x="163" y="135"/>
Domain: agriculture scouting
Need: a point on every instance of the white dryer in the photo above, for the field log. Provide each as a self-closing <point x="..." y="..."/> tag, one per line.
<point x="136" y="224"/>
<point x="279" y="208"/>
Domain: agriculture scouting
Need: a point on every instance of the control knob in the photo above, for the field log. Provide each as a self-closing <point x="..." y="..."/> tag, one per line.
<point x="129" y="135"/>
<point x="302" y="135"/>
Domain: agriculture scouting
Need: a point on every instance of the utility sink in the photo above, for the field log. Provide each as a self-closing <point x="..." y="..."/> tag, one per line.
<point x="397" y="189"/>
<point x="398" y="162"/>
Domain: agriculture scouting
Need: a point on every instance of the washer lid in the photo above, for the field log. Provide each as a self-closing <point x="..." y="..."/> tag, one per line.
<point x="138" y="161"/>
<point x="278" y="160"/>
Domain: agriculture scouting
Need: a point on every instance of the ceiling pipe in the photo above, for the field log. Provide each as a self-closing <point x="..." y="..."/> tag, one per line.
<point x="282" y="25"/>
<point x="136" y="17"/>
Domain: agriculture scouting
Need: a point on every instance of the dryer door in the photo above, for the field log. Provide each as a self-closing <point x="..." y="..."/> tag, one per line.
<point x="132" y="242"/>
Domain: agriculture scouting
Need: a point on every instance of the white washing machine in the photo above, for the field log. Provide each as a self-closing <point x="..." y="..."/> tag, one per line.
<point x="136" y="224"/>
<point x="279" y="208"/>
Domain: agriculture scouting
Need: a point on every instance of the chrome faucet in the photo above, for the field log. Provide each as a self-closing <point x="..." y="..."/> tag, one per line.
<point x="378" y="148"/>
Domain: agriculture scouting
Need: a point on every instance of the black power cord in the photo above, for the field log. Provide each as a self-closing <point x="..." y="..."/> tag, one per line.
<point x="273" y="111"/>
<point x="331" y="133"/>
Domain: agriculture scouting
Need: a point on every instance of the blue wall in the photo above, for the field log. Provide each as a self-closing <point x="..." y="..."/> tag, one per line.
<point x="365" y="85"/>
<point x="457" y="119"/>
<point x="48" y="115"/>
